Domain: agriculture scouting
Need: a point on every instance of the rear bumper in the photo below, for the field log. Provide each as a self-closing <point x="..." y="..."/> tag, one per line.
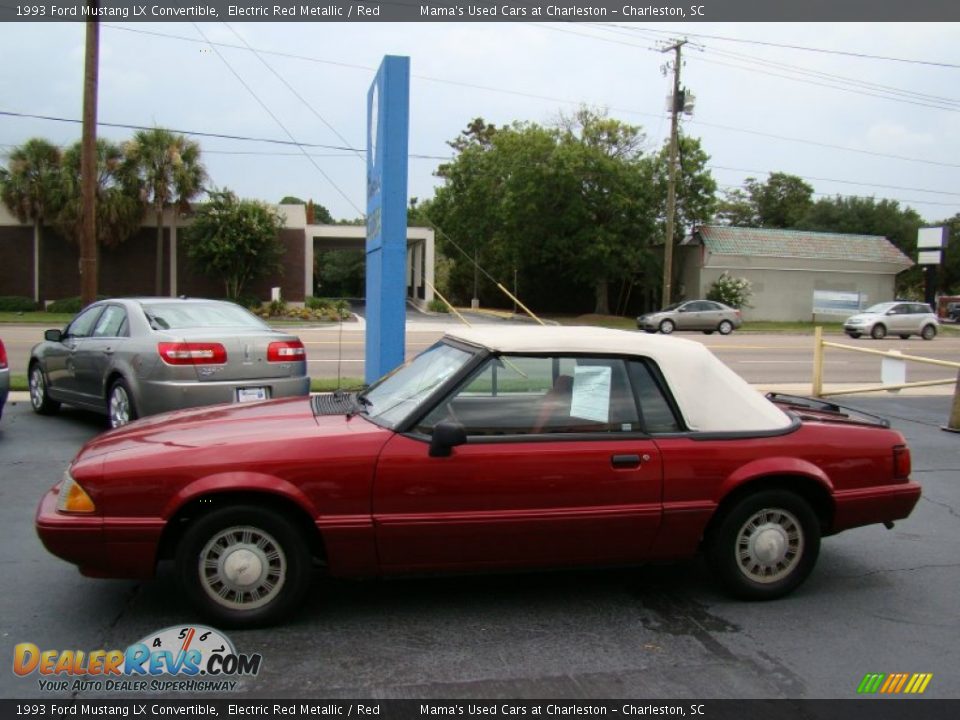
<point x="163" y="396"/>
<point x="113" y="548"/>
<point x="869" y="506"/>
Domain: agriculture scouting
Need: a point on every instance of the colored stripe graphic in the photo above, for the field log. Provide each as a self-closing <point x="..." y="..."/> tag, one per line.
<point x="895" y="683"/>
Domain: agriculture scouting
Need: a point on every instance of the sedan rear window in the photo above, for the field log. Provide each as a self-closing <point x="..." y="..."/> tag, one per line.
<point x="177" y="316"/>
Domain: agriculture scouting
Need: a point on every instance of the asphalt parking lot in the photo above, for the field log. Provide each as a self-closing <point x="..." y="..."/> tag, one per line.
<point x="879" y="601"/>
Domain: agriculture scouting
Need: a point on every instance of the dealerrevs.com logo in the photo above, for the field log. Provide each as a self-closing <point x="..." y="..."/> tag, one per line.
<point x="894" y="683"/>
<point x="194" y="658"/>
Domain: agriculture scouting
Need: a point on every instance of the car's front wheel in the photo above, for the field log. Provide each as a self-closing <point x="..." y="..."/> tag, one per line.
<point x="929" y="332"/>
<point x="667" y="327"/>
<point x="40" y="401"/>
<point x="244" y="566"/>
<point x="725" y="327"/>
<point x="120" y="406"/>
<point x="766" y="545"/>
<point x="854" y="335"/>
<point x="878" y="332"/>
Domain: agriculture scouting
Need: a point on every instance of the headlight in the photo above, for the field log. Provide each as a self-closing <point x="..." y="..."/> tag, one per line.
<point x="73" y="498"/>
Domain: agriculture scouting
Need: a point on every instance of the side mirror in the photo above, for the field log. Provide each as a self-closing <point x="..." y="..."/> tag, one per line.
<point x="53" y="335"/>
<point x="446" y="436"/>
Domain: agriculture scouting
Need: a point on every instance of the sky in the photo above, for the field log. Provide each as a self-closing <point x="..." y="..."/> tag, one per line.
<point x="848" y="124"/>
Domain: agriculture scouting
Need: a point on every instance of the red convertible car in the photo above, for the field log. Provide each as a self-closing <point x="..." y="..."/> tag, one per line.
<point x="506" y="448"/>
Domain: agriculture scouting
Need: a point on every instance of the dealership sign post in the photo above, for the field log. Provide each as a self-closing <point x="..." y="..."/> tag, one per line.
<point x="930" y="244"/>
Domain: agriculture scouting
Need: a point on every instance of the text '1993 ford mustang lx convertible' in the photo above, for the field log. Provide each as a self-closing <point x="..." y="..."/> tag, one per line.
<point x="493" y="449"/>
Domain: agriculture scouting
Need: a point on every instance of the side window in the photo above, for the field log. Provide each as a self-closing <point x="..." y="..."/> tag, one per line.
<point x="526" y="395"/>
<point x="112" y="323"/>
<point x="658" y="415"/>
<point x="83" y="324"/>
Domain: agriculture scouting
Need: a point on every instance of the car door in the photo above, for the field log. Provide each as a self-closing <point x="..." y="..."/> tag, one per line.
<point x="61" y="360"/>
<point x="555" y="471"/>
<point x="687" y="316"/>
<point x="95" y="355"/>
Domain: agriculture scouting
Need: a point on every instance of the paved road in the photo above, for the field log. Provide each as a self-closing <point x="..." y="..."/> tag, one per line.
<point x="760" y="358"/>
<point x="879" y="601"/>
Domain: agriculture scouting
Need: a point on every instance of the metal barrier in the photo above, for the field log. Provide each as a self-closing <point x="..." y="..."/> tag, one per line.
<point x="953" y="425"/>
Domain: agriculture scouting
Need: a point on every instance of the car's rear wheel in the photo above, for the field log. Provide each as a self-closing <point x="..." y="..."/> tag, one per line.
<point x="120" y="406"/>
<point x="766" y="545"/>
<point x="40" y="401"/>
<point x="244" y="566"/>
<point x="878" y="332"/>
<point x="725" y="327"/>
<point x="667" y="327"/>
<point x="929" y="332"/>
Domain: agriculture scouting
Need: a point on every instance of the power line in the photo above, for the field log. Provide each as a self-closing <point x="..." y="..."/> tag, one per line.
<point x="846" y="182"/>
<point x="727" y="186"/>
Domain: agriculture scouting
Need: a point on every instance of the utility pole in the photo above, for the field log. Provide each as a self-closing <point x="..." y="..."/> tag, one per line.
<point x="88" y="163"/>
<point x="676" y="107"/>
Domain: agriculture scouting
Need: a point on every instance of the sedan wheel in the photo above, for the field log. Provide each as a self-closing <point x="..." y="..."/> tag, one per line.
<point x="725" y="327"/>
<point x="120" y="407"/>
<point x="39" y="400"/>
<point x="766" y="545"/>
<point x="929" y="332"/>
<point x="879" y="332"/>
<point x="854" y="335"/>
<point x="243" y="565"/>
<point x="667" y="327"/>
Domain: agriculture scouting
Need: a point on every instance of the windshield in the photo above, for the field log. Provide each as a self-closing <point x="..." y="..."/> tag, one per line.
<point x="397" y="395"/>
<point x="880" y="308"/>
<point x="180" y="315"/>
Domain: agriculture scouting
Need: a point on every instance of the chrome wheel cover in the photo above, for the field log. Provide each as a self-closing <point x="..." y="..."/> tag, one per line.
<point x="242" y="568"/>
<point x="119" y="407"/>
<point x="769" y="545"/>
<point x="38" y="390"/>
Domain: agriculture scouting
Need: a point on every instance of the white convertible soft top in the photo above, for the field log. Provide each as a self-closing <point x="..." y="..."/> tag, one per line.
<point x="711" y="397"/>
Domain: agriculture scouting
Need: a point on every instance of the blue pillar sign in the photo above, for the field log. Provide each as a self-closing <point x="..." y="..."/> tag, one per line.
<point x="388" y="110"/>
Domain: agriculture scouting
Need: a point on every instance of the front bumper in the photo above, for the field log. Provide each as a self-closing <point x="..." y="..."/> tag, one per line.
<point x="99" y="547"/>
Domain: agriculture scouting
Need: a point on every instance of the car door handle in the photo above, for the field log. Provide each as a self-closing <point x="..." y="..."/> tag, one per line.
<point x="108" y="351"/>
<point x="626" y="461"/>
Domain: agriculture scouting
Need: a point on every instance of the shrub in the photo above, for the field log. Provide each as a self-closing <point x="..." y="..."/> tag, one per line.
<point x="69" y="305"/>
<point x="438" y="306"/>
<point x="731" y="291"/>
<point x="16" y="303"/>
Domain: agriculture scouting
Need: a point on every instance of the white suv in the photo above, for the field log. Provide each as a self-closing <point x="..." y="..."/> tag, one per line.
<point x="896" y="318"/>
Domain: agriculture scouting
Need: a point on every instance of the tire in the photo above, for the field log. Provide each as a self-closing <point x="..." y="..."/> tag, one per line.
<point x="708" y="332"/>
<point x="667" y="326"/>
<point x="929" y="332"/>
<point x="765" y="546"/>
<point x="725" y="327"/>
<point x="40" y="401"/>
<point x="120" y="406"/>
<point x="269" y="542"/>
<point x="854" y="335"/>
<point x="878" y="332"/>
<point x="904" y="337"/>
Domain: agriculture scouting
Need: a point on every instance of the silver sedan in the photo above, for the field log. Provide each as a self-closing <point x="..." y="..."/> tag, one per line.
<point x="139" y="356"/>
<point x="705" y="315"/>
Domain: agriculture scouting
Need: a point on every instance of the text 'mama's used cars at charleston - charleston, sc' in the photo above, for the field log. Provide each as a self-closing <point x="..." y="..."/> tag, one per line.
<point x="134" y="357"/>
<point x="706" y="316"/>
<point x="493" y="449"/>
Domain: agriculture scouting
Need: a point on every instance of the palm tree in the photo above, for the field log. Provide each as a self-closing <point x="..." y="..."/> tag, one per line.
<point x="169" y="171"/>
<point x="119" y="210"/>
<point x="29" y="187"/>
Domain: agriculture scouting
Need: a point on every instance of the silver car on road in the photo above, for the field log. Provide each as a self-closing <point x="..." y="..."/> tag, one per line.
<point x="705" y="315"/>
<point x="893" y="318"/>
<point x="139" y="356"/>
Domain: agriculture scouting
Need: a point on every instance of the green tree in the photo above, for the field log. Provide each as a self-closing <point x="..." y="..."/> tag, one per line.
<point x="780" y="202"/>
<point x="238" y="240"/>
<point x="169" y="172"/>
<point x="119" y="210"/>
<point x="30" y="188"/>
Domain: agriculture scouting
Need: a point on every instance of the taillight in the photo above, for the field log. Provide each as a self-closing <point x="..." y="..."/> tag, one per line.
<point x="191" y="353"/>
<point x="3" y="356"/>
<point x="286" y="351"/>
<point x="901" y="462"/>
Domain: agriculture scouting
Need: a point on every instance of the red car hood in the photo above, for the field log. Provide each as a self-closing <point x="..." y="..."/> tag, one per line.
<point x="235" y="424"/>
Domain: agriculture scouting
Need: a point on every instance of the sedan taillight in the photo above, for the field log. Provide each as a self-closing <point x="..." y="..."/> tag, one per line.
<point x="3" y="356"/>
<point x="192" y="353"/>
<point x="901" y="462"/>
<point x="286" y="351"/>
